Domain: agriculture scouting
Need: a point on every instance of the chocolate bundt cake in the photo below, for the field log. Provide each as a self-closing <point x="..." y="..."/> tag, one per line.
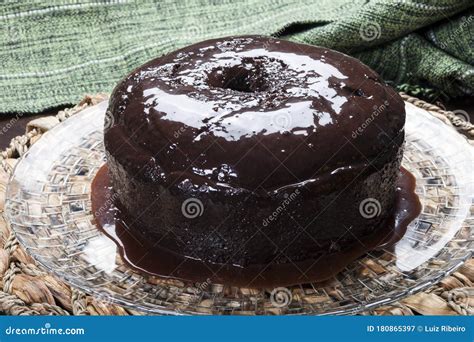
<point x="250" y="150"/>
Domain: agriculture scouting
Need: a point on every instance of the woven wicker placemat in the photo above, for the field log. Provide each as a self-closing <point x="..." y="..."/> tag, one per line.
<point x="26" y="289"/>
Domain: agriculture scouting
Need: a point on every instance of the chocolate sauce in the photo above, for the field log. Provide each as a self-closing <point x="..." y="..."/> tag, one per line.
<point x="143" y="256"/>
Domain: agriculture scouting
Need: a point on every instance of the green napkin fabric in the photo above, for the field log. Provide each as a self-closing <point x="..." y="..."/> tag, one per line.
<point x="52" y="55"/>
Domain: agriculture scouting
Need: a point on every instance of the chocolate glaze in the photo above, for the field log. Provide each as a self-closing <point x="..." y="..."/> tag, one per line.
<point x="222" y="96"/>
<point x="242" y="124"/>
<point x="157" y="261"/>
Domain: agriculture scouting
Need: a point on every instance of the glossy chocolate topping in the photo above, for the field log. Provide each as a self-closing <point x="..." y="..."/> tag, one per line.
<point x="250" y="112"/>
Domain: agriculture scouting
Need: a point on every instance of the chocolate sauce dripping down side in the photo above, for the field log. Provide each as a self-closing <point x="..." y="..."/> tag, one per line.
<point x="144" y="256"/>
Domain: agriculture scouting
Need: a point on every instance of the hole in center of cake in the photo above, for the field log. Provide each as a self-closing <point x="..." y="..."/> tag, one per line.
<point x="247" y="77"/>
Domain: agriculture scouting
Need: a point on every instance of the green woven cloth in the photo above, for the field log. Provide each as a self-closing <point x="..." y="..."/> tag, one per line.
<point x="52" y="55"/>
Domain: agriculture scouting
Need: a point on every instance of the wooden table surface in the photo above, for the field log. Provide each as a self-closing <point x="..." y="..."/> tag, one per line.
<point x="12" y="125"/>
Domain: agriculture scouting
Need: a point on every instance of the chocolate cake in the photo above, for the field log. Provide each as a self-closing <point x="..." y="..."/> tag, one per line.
<point x="249" y="150"/>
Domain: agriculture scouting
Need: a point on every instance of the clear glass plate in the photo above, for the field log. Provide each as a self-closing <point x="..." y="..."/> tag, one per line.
<point x="48" y="207"/>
